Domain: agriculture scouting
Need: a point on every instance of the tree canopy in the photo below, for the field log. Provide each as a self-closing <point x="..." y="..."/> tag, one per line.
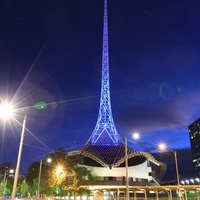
<point x="62" y="175"/>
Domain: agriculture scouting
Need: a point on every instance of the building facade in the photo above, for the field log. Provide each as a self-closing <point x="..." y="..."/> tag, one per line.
<point x="194" y="133"/>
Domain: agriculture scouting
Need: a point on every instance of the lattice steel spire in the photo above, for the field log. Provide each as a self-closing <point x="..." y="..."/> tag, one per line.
<point x="105" y="132"/>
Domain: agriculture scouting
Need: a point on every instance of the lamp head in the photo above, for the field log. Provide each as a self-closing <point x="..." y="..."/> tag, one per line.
<point x="136" y="136"/>
<point x="6" y="111"/>
<point x="162" y="146"/>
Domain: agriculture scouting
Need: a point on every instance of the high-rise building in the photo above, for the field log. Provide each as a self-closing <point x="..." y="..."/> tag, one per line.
<point x="194" y="132"/>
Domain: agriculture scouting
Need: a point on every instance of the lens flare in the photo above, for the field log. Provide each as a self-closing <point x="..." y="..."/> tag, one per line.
<point x="40" y="105"/>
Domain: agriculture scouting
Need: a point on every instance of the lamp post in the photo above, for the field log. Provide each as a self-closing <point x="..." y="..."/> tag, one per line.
<point x="126" y="163"/>
<point x="6" y="111"/>
<point x="18" y="160"/>
<point x="162" y="146"/>
<point x="135" y="136"/>
<point x="39" y="177"/>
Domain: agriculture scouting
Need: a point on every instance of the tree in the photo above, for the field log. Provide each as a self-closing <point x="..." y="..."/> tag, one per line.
<point x="24" y="188"/>
<point x="2" y="187"/>
<point x="32" y="177"/>
<point x="64" y="175"/>
<point x="6" y="172"/>
<point x="72" y="177"/>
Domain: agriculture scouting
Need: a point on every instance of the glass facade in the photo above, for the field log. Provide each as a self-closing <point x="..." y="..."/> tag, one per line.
<point x="194" y="133"/>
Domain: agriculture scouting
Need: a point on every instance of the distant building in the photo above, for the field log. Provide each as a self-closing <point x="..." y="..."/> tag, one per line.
<point x="194" y="132"/>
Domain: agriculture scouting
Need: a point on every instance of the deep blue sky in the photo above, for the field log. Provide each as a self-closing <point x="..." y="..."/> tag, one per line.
<point x="51" y="51"/>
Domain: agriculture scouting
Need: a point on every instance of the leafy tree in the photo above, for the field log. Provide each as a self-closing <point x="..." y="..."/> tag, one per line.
<point x="24" y="188"/>
<point x="9" y="185"/>
<point x="6" y="171"/>
<point x="64" y="175"/>
<point x="4" y="167"/>
<point x="72" y="177"/>
<point x="32" y="177"/>
<point x="6" y="186"/>
<point x="2" y="187"/>
<point x="33" y="172"/>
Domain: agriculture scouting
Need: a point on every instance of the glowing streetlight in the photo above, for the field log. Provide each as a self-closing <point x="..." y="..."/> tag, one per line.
<point x="59" y="170"/>
<point x="187" y="182"/>
<point x="162" y="147"/>
<point x="135" y="136"/>
<point x="192" y="181"/>
<point x="197" y="180"/>
<point x="6" y="112"/>
<point x="39" y="177"/>
<point x="183" y="182"/>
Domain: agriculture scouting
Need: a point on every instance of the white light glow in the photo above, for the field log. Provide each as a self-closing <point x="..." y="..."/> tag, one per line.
<point x="136" y="136"/>
<point x="59" y="170"/>
<point x="6" y="111"/>
<point x="162" y="146"/>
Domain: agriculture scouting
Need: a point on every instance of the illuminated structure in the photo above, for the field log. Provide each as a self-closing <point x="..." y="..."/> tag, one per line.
<point x="104" y="152"/>
<point x="194" y="132"/>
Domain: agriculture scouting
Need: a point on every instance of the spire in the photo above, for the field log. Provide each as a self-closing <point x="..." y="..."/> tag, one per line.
<point x="105" y="132"/>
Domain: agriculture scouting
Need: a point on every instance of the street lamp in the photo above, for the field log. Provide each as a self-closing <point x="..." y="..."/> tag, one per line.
<point x="135" y="136"/>
<point x="183" y="182"/>
<point x="126" y="163"/>
<point x="18" y="159"/>
<point x="39" y="177"/>
<point x="6" y="111"/>
<point x="59" y="170"/>
<point x="162" y="146"/>
<point x="187" y="182"/>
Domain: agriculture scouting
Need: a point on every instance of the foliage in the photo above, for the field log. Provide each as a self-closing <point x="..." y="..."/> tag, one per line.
<point x="33" y="172"/>
<point x="6" y="172"/>
<point x="24" y="188"/>
<point x="63" y="175"/>
<point x="4" y="167"/>
<point x="9" y="185"/>
<point x="2" y="187"/>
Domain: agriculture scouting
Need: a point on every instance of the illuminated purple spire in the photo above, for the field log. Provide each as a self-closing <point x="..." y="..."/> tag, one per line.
<point x="105" y="132"/>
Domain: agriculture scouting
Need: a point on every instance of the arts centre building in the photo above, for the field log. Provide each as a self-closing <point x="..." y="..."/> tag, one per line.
<point x="114" y="164"/>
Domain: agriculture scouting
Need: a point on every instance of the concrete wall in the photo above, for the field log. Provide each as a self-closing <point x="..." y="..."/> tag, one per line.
<point x="141" y="171"/>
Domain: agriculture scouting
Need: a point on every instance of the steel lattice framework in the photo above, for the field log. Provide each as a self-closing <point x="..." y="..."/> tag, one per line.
<point x="105" y="147"/>
<point x="105" y="132"/>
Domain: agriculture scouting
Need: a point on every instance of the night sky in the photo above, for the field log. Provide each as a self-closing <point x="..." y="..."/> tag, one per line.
<point x="50" y="51"/>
